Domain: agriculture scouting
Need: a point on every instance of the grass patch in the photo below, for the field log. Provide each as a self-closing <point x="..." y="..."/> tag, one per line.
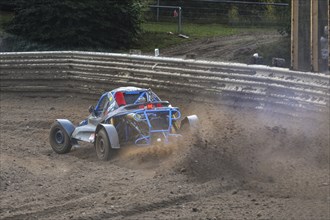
<point x="156" y="34"/>
<point x="192" y="30"/>
<point x="151" y="40"/>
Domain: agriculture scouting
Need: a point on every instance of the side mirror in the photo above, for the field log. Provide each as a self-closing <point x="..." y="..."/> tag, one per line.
<point x="91" y="109"/>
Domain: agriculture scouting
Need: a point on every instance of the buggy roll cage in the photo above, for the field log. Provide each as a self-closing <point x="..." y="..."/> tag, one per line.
<point x="146" y="115"/>
<point x="166" y="132"/>
<point x="150" y="97"/>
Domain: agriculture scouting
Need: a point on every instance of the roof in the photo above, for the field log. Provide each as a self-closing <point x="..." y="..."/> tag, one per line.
<point x="128" y="89"/>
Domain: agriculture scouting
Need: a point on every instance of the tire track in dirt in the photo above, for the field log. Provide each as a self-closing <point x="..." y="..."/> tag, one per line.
<point x="244" y="163"/>
<point x="229" y="48"/>
<point x="138" y="209"/>
<point x="48" y="211"/>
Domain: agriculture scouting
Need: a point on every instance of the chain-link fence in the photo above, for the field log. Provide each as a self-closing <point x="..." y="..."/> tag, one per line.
<point x="222" y="12"/>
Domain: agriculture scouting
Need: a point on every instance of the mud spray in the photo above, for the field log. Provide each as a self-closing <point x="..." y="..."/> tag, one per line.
<point x="280" y="155"/>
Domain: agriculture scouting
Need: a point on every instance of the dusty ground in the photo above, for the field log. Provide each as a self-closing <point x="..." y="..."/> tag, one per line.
<point x="245" y="165"/>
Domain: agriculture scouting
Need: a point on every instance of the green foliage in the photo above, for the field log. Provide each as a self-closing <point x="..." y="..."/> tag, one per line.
<point x="270" y="13"/>
<point x="73" y="24"/>
<point x="233" y="15"/>
<point x="5" y="18"/>
<point x="285" y="29"/>
<point x="251" y="13"/>
<point x="10" y="5"/>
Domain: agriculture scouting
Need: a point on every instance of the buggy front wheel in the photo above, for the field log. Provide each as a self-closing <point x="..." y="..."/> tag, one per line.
<point x="59" y="139"/>
<point x="102" y="145"/>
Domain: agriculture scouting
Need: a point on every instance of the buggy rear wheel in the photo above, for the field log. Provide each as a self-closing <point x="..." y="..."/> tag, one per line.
<point x="102" y="145"/>
<point x="189" y="124"/>
<point x="59" y="139"/>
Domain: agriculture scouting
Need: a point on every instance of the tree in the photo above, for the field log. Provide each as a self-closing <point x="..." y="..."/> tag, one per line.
<point x="10" y="5"/>
<point x="78" y="24"/>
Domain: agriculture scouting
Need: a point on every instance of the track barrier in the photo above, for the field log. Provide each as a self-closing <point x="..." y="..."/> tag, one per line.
<point x="93" y="73"/>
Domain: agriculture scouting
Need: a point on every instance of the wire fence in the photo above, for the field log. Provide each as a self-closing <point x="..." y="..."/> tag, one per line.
<point x="227" y="13"/>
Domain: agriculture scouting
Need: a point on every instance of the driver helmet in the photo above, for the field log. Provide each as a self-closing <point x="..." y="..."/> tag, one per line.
<point x="142" y="99"/>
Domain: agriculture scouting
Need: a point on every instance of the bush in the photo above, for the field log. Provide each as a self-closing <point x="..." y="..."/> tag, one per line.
<point x="10" y="5"/>
<point x="71" y="24"/>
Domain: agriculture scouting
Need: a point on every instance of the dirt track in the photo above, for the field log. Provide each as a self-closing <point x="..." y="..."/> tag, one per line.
<point x="245" y="165"/>
<point x="237" y="48"/>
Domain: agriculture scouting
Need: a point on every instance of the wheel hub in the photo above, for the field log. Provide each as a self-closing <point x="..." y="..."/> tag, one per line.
<point x="101" y="146"/>
<point x="59" y="137"/>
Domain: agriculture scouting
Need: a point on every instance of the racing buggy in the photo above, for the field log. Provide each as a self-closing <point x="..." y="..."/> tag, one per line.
<point x="124" y="116"/>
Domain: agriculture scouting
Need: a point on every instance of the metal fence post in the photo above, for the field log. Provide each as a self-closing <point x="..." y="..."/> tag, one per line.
<point x="180" y="20"/>
<point x="157" y="10"/>
<point x="179" y="15"/>
<point x="314" y="35"/>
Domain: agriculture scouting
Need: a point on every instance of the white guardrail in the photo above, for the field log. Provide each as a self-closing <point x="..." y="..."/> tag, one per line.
<point x="93" y="73"/>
